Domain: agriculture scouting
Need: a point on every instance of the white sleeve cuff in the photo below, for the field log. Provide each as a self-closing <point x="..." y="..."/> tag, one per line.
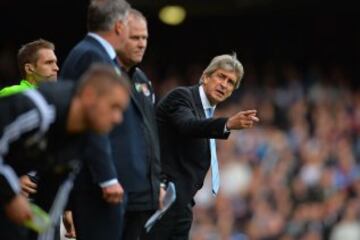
<point x="109" y="183"/>
<point x="10" y="177"/>
<point x="226" y="130"/>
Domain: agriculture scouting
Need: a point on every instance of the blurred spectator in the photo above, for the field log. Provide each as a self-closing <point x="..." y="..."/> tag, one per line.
<point x="349" y="226"/>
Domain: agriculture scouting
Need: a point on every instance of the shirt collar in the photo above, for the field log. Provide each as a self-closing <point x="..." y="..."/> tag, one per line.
<point x="108" y="48"/>
<point x="26" y="83"/>
<point x="204" y="100"/>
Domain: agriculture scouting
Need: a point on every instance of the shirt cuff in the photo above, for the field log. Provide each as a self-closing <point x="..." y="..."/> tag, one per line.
<point x="32" y="173"/>
<point x="109" y="183"/>
<point x="226" y="130"/>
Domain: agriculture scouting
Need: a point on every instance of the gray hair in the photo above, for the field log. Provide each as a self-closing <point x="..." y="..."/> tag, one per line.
<point x="137" y="14"/>
<point x="102" y="14"/>
<point x="228" y="63"/>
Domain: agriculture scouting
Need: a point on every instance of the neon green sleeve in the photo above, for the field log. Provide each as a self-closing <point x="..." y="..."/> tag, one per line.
<point x="14" y="89"/>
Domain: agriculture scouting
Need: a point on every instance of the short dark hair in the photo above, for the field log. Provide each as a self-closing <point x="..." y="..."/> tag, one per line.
<point x="102" y="14"/>
<point x="102" y="77"/>
<point x="28" y="53"/>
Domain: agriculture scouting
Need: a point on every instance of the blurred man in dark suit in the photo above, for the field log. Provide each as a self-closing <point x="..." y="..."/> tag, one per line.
<point x="187" y="133"/>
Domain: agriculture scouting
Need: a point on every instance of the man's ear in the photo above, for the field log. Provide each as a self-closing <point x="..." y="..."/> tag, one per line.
<point x="29" y="68"/>
<point x="88" y="95"/>
<point x="204" y="79"/>
<point x="119" y="27"/>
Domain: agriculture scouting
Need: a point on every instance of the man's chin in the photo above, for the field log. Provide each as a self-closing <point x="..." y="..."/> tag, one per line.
<point x="51" y="78"/>
<point x="137" y="59"/>
<point x="218" y="99"/>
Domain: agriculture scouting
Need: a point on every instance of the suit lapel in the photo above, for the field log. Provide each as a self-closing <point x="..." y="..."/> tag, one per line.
<point x="141" y="108"/>
<point x="134" y="95"/>
<point x="136" y="100"/>
<point x="199" y="110"/>
<point x="149" y="123"/>
<point x="197" y="101"/>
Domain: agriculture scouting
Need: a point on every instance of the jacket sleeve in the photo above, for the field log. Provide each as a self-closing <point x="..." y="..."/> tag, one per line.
<point x="98" y="158"/>
<point x="98" y="150"/>
<point x="20" y="118"/>
<point x="178" y="109"/>
<point x="9" y="183"/>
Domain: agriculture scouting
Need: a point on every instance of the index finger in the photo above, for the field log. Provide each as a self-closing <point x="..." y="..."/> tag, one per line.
<point x="256" y="119"/>
<point x="31" y="184"/>
<point x="249" y="112"/>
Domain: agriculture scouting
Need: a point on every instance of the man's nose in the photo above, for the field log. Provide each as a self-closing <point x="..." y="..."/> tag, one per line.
<point x="223" y="84"/>
<point x="118" y="117"/>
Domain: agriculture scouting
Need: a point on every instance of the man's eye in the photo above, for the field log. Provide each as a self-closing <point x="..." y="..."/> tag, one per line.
<point x="221" y="76"/>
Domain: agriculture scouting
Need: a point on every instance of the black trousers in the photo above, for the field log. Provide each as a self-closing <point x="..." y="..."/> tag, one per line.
<point x="96" y="219"/>
<point x="134" y="224"/>
<point x="174" y="225"/>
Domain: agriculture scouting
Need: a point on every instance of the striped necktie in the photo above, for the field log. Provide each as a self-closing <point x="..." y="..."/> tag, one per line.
<point x="215" y="177"/>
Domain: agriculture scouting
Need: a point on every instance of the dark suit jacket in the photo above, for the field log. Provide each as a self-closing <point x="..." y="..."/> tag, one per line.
<point x="93" y="217"/>
<point x="99" y="166"/>
<point x="184" y="137"/>
<point x="135" y="146"/>
<point x="135" y="154"/>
